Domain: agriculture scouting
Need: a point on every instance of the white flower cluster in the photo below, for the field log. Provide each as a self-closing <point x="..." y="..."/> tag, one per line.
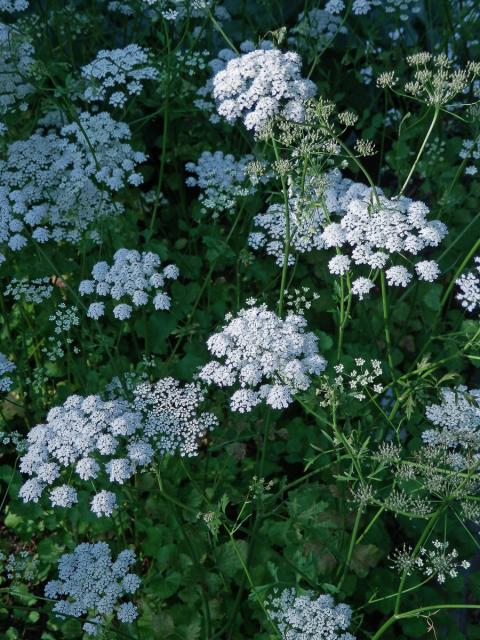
<point x="404" y="7"/>
<point x="172" y="420"/>
<point x="205" y="101"/>
<point x="359" y="379"/>
<point x="175" y="10"/>
<point x="5" y="367"/>
<point x="457" y="419"/>
<point x="307" y="219"/>
<point x="53" y="187"/>
<point x="315" y="28"/>
<point x="270" y="358"/>
<point x="469" y="288"/>
<point x="89" y="438"/>
<point x="82" y="436"/>
<point x="258" y="85"/>
<point x="470" y="149"/>
<point x="12" y="6"/>
<point x="16" y="61"/>
<point x="308" y="215"/>
<point x="373" y="232"/>
<point x="19" y="567"/>
<point x="117" y="74"/>
<point x="436" y="561"/>
<point x="34" y="291"/>
<point x="222" y="180"/>
<point x="90" y="584"/>
<point x="105" y="143"/>
<point x="305" y="617"/>
<point x="171" y="10"/>
<point x="134" y="276"/>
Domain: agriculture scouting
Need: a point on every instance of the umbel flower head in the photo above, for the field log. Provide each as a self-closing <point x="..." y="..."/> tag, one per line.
<point x="222" y="180"/>
<point x="205" y="101"/>
<point x="268" y="357"/>
<point x="437" y="79"/>
<point x="259" y="85"/>
<point x="6" y="367"/>
<point x="89" y="439"/>
<point x="457" y="422"/>
<point x="305" y="617"/>
<point x="373" y="230"/>
<point x="133" y="279"/>
<point x="429" y="562"/>
<point x="336" y="212"/>
<point x="34" y="291"/>
<point x="116" y="74"/>
<point x="90" y="584"/>
<point x="308" y="211"/>
<point x="469" y="288"/>
<point x="16" y="62"/>
<point x="12" y="6"/>
<point x="57" y="186"/>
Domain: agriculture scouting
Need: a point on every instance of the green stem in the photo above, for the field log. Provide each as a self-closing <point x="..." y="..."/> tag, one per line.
<point x="421" y="150"/>
<point x="351" y="547"/>
<point x="286" y="248"/>
<point x="388" y="339"/>
<point x="416" y="612"/>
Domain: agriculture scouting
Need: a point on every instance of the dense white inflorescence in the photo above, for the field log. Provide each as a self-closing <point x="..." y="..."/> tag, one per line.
<point x="258" y="85"/>
<point x="270" y="358"/>
<point x="6" y="366"/>
<point x="373" y="232"/>
<point x="305" y="617"/>
<point x="172" y="420"/>
<point x="205" y="101"/>
<point x="90" y="584"/>
<point x="56" y="187"/>
<point x="88" y="439"/>
<point x="457" y="422"/>
<point x="307" y="213"/>
<point x="222" y="180"/>
<point x="134" y="277"/>
<point x="105" y="143"/>
<point x="16" y="62"/>
<point x="34" y="291"/>
<point x="12" y="6"/>
<point x="405" y="8"/>
<point x="315" y="28"/>
<point x="171" y="10"/>
<point x="367" y="233"/>
<point x="469" y="288"/>
<point x="117" y="74"/>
